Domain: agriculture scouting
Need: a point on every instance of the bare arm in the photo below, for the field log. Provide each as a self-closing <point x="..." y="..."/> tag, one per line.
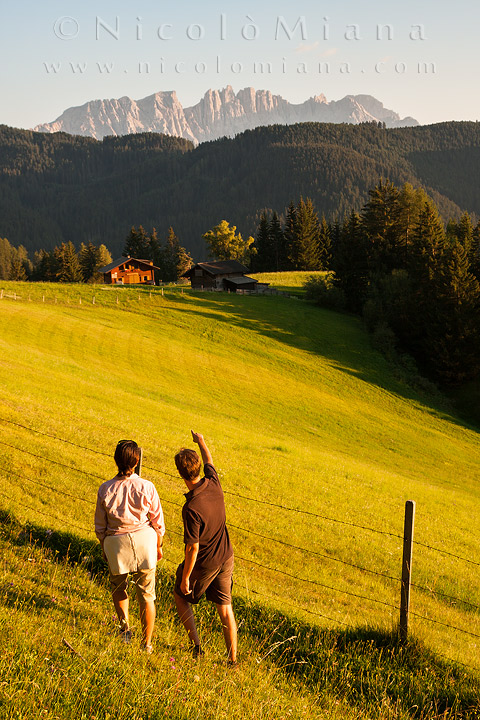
<point x="205" y="452"/>
<point x="191" y="552"/>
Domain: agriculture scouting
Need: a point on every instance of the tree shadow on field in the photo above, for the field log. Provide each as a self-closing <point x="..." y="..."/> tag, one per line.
<point x="338" y="337"/>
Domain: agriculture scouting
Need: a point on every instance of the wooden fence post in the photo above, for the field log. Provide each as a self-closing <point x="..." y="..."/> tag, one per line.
<point x="406" y="567"/>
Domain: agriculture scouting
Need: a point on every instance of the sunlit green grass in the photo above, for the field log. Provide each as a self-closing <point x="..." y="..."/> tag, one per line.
<point x="288" y="281"/>
<point x="61" y="657"/>
<point x="299" y="411"/>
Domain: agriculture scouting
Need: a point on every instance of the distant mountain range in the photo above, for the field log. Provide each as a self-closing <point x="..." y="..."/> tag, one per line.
<point x="219" y="113"/>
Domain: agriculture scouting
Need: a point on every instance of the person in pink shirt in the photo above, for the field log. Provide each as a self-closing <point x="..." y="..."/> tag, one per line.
<point x="130" y="527"/>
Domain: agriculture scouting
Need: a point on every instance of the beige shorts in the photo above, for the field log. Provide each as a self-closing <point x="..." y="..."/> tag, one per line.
<point x="131" y="551"/>
<point x="134" y="553"/>
<point x="144" y="581"/>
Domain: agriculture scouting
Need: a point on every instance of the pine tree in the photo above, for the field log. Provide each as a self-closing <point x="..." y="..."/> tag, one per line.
<point x="5" y="259"/>
<point x="465" y="233"/>
<point x="263" y="261"/>
<point x="20" y="264"/>
<point x="351" y="263"/>
<point x="45" y="266"/>
<point x="428" y="241"/>
<point x="279" y="244"/>
<point x="474" y="256"/>
<point x="104" y="256"/>
<point x="411" y="202"/>
<point x="380" y="225"/>
<point x="306" y="254"/>
<point x="155" y="251"/>
<point x="290" y="235"/>
<point x="176" y="260"/>
<point x="137" y="244"/>
<point x="91" y="258"/>
<point x="325" y="244"/>
<point x="69" y="269"/>
<point x="88" y="257"/>
<point x="452" y="337"/>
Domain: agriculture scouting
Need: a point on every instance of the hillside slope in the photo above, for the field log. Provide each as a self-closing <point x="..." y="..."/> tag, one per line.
<point x="58" y="188"/>
<point x="317" y="444"/>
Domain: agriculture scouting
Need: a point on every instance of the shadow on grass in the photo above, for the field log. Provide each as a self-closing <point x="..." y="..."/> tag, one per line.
<point x="342" y="340"/>
<point x="369" y="669"/>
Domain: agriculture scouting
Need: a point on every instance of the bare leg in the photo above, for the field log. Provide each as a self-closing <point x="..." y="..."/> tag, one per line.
<point x="229" y="627"/>
<point x="185" y="613"/>
<point x="147" y="618"/>
<point x="120" y="601"/>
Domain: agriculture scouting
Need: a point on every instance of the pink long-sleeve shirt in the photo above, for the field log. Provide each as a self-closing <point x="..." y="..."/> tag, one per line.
<point x="127" y="504"/>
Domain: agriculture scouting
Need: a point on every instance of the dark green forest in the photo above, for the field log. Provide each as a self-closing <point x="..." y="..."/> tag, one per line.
<point x="59" y="188"/>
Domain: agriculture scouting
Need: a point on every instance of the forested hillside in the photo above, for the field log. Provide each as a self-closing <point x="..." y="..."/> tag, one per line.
<point x="60" y="188"/>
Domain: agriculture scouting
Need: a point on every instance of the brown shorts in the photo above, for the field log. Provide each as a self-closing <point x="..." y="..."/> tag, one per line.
<point x="216" y="583"/>
<point x="144" y="581"/>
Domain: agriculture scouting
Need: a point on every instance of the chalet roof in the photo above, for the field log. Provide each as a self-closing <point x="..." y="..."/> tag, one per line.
<point x="121" y="261"/>
<point x="239" y="281"/>
<point x="221" y="267"/>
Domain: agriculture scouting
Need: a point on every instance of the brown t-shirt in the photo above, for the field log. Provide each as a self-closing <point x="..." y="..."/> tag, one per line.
<point x="204" y="521"/>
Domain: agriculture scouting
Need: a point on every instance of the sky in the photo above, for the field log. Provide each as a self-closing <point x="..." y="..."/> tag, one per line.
<point x="419" y="58"/>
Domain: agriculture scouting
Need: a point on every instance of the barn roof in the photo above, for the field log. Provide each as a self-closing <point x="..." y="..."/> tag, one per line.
<point x="221" y="267"/>
<point x="239" y="281"/>
<point x="122" y="261"/>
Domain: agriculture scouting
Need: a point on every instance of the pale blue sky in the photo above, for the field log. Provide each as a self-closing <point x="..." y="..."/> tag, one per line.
<point x="342" y="34"/>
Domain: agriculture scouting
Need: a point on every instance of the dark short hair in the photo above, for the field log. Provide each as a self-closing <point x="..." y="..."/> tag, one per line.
<point x="188" y="464"/>
<point x="127" y="455"/>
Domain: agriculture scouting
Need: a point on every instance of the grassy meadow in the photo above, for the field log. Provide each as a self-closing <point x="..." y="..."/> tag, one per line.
<point x="300" y="413"/>
<point x="291" y="281"/>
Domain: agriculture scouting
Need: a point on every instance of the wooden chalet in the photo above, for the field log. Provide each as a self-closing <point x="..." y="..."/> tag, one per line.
<point x="129" y="271"/>
<point x="221" y="275"/>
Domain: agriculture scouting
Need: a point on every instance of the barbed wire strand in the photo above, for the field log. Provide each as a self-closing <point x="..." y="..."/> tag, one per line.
<point x="49" y="515"/>
<point x="227" y="492"/>
<point x="245" y="530"/>
<point x="243" y="497"/>
<point x="314" y="582"/>
<point x="265" y="537"/>
<point x="281" y="572"/>
<point x="239" y="495"/>
<point x="439" y="622"/>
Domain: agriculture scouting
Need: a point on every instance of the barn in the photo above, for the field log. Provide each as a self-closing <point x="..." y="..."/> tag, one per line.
<point x="129" y="271"/>
<point x="221" y="275"/>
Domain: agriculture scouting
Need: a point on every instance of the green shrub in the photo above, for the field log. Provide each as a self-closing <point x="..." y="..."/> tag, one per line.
<point x="321" y="290"/>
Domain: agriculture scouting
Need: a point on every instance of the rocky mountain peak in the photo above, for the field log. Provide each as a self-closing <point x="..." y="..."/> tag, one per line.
<point x="218" y="113"/>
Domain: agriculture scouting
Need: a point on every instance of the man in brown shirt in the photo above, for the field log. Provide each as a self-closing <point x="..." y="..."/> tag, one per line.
<point x="208" y="565"/>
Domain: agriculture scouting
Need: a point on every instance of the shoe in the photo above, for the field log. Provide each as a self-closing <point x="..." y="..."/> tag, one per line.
<point x="232" y="664"/>
<point x="197" y="652"/>
<point x="125" y="636"/>
<point x="147" y="649"/>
